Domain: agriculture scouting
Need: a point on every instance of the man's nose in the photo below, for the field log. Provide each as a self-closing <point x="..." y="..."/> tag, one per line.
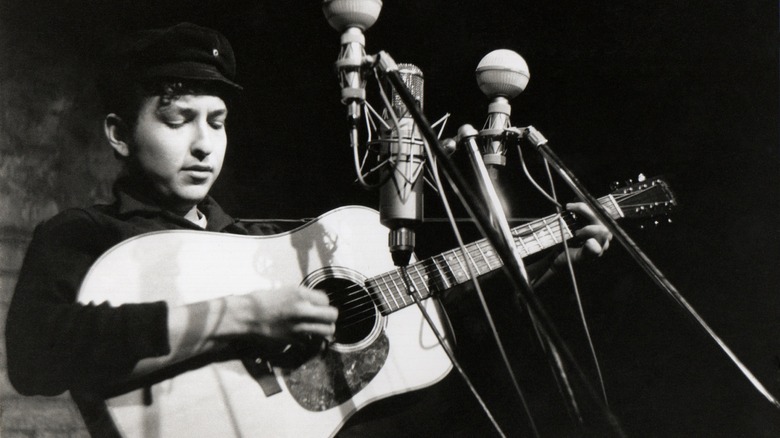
<point x="202" y="142"/>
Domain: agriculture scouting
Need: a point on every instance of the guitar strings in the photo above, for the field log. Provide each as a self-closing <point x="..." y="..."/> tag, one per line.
<point x="359" y="295"/>
<point x="358" y="298"/>
<point x="477" y="255"/>
<point x="525" y="240"/>
<point x="441" y="277"/>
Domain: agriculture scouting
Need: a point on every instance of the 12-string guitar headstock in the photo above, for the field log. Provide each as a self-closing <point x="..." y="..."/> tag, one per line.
<point x="645" y="198"/>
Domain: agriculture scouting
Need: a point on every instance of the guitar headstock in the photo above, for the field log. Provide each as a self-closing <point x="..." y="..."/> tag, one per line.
<point x="646" y="198"/>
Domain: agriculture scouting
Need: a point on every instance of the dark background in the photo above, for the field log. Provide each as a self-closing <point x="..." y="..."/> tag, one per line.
<point x="684" y="89"/>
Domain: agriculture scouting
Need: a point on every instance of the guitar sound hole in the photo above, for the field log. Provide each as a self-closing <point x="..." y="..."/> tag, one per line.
<point x="357" y="313"/>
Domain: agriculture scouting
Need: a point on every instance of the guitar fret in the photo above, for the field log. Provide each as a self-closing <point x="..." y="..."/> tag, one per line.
<point x="491" y="254"/>
<point x="384" y="303"/>
<point x="476" y="266"/>
<point x="405" y="286"/>
<point x="483" y="261"/>
<point x="542" y="236"/>
<point x="557" y="231"/>
<point x="611" y="204"/>
<point x="485" y="258"/>
<point x="522" y="243"/>
<point x="536" y="237"/>
<point x="439" y="269"/>
<point x="449" y="268"/>
<point x="378" y="289"/>
<point x="397" y="292"/>
<point x="463" y="274"/>
<point x="487" y="262"/>
<point x="525" y="241"/>
<point x="390" y="292"/>
<point x="566" y="230"/>
<point x="423" y="282"/>
<point x="420" y="280"/>
<point x="550" y="230"/>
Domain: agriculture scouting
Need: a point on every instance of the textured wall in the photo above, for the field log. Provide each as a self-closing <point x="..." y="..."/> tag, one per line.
<point x="51" y="157"/>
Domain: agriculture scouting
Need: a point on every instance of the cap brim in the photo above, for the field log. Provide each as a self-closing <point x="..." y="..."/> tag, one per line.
<point x="191" y="71"/>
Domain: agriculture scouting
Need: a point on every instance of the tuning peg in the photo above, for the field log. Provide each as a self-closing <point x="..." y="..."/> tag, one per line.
<point x="615" y="185"/>
<point x="654" y="223"/>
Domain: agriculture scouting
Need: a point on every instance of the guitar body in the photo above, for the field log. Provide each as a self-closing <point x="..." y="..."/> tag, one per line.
<point x="380" y="356"/>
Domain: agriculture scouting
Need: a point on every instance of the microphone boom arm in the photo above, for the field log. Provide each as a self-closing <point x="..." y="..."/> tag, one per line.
<point x="537" y="140"/>
<point x="387" y="67"/>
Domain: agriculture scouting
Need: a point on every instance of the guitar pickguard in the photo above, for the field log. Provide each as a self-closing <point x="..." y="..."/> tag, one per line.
<point x="334" y="377"/>
<point x="360" y="349"/>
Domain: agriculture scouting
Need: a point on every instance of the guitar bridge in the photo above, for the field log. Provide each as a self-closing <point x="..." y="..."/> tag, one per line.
<point x="263" y="373"/>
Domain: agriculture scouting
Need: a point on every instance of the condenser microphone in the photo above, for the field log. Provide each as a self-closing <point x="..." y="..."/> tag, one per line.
<point x="402" y="151"/>
<point x="501" y="75"/>
<point x="351" y="18"/>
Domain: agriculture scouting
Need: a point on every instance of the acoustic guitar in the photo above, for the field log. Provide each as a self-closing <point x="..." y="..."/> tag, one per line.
<point x="383" y="345"/>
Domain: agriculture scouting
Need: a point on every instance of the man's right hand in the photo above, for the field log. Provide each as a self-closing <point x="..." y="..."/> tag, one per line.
<point x="287" y="313"/>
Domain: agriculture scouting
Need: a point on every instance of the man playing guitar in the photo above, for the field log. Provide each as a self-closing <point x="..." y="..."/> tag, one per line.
<point x="167" y="103"/>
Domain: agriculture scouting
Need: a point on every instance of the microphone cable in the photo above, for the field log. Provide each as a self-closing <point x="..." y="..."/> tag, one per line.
<point x="553" y="198"/>
<point x="576" y="291"/>
<point x="473" y="277"/>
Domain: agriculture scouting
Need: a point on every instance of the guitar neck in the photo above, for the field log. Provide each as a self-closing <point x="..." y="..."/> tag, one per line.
<point x="454" y="267"/>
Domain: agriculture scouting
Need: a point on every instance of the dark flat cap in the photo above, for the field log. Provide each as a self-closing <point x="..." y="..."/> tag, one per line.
<point x="183" y="51"/>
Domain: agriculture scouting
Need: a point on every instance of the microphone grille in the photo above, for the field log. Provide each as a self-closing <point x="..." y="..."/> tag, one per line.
<point x="502" y="73"/>
<point x="413" y="78"/>
<point x="343" y="14"/>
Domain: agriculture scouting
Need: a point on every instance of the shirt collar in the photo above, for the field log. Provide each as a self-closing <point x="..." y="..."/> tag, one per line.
<point x="130" y="200"/>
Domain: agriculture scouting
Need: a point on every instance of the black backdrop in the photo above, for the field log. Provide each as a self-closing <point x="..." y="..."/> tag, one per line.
<point x="684" y="89"/>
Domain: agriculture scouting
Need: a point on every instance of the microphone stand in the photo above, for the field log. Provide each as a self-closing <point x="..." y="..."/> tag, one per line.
<point x="467" y="133"/>
<point x="387" y="67"/>
<point x="536" y="139"/>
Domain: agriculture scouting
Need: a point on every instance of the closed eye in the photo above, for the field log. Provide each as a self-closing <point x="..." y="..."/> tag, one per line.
<point x="175" y="124"/>
<point x="178" y="114"/>
<point x="218" y="118"/>
<point x="218" y="123"/>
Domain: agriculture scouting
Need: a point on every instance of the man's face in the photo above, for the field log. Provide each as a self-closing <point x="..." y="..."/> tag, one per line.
<point x="180" y="146"/>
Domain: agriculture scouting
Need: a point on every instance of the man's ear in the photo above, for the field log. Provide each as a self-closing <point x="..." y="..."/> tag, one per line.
<point x="118" y="133"/>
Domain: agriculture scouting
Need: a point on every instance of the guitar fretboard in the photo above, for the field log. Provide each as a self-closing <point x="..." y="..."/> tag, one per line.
<point x="454" y="267"/>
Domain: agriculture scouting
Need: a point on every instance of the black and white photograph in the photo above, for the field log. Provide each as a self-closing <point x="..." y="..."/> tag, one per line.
<point x="368" y="218"/>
